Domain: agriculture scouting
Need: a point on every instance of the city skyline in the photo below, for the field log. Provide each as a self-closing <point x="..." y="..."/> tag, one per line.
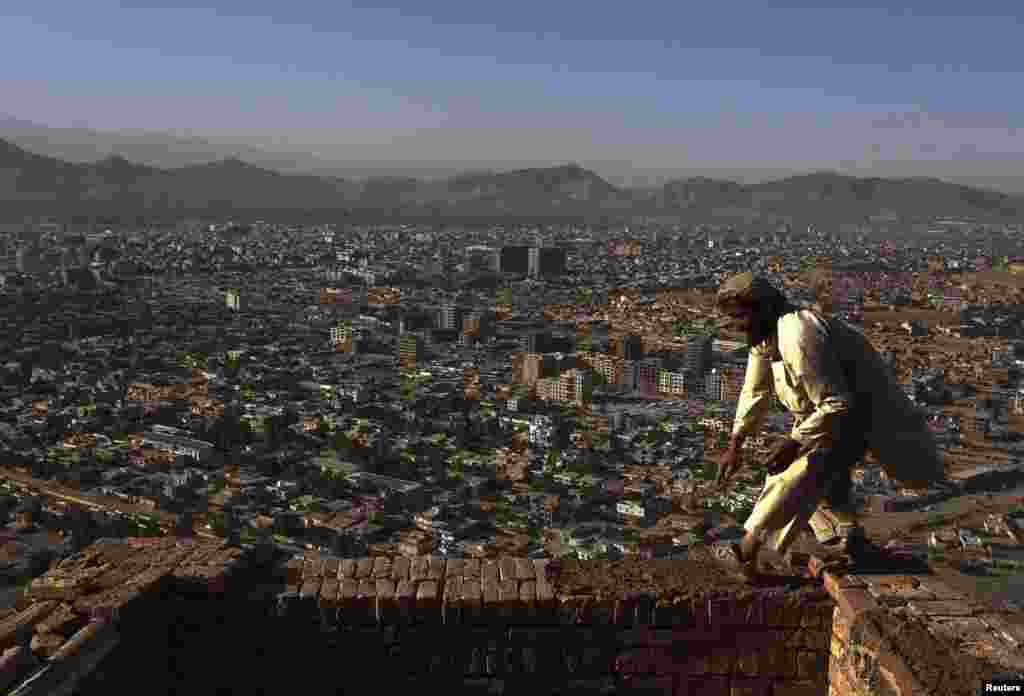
<point x="639" y="91"/>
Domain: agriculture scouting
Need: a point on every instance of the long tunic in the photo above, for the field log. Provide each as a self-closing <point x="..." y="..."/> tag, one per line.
<point x="830" y="377"/>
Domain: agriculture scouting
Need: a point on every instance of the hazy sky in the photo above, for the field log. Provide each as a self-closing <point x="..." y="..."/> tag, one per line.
<point x="655" y="83"/>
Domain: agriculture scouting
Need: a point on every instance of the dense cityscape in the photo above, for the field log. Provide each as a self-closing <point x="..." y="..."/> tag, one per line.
<point x="398" y="389"/>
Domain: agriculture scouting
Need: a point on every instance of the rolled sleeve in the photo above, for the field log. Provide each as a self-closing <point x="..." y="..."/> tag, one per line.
<point x="815" y="366"/>
<point x="755" y="398"/>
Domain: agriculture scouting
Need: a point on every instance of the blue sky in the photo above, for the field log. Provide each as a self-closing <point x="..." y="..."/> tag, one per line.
<point x="651" y="82"/>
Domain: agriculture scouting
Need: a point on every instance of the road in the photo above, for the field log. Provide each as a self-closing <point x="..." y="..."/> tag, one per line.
<point x="102" y="504"/>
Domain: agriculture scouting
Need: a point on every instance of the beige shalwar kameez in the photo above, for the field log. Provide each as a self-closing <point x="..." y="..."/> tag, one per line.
<point x="798" y="366"/>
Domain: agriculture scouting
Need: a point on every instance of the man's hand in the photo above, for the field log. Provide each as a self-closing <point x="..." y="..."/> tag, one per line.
<point x="728" y="464"/>
<point x="782" y="454"/>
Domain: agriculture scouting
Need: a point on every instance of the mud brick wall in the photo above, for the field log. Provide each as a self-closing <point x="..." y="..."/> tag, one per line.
<point x="524" y="626"/>
<point x="904" y="635"/>
<point x="104" y="604"/>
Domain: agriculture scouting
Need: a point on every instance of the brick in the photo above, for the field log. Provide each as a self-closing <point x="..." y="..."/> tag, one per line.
<point x="419" y="568"/>
<point x="489" y="590"/>
<point x="472" y="602"/>
<point x="428" y="603"/>
<point x="293" y="571"/>
<point x="678" y="614"/>
<point x="941" y="608"/>
<point x="331" y="566"/>
<point x="508" y="598"/>
<point x="1011" y="632"/>
<point x="405" y="594"/>
<point x="454" y="568"/>
<point x="940" y="590"/>
<point x="400" y="568"/>
<point x="893" y="583"/>
<point x="776" y="612"/>
<point x="14" y="626"/>
<point x="45" y="645"/>
<point x="709" y="685"/>
<point x="528" y="599"/>
<point x="797" y="688"/>
<point x="646" y="613"/>
<point x="813" y="639"/>
<point x="387" y="608"/>
<point x="329" y="593"/>
<point x="569" y="610"/>
<point x="364" y="568"/>
<point x="95" y="632"/>
<point x="777" y="661"/>
<point x="312" y="568"/>
<point x="310" y="589"/>
<point x="810" y="665"/>
<point x="347" y="568"/>
<point x="435" y="569"/>
<point x="507" y="568"/>
<point x="361" y="609"/>
<point x="746" y="661"/>
<point x="546" y="611"/>
<point x="724" y="660"/>
<point x="894" y="671"/>
<point x="452" y="605"/>
<point x="64" y="620"/>
<point x="540" y="566"/>
<point x="855" y="602"/>
<point x="722" y="611"/>
<point x="381" y="567"/>
<point x="601" y="611"/>
<point x="960" y="629"/>
<point x="347" y="593"/>
<point x="471" y="568"/>
<point x="749" y="686"/>
<point x="489" y="572"/>
<point x="525" y="570"/>
<point x="648" y="685"/>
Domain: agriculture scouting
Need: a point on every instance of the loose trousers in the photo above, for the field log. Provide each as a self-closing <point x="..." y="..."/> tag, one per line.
<point x="814" y="490"/>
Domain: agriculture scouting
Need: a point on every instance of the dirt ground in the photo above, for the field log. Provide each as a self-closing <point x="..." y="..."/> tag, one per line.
<point x="665" y="579"/>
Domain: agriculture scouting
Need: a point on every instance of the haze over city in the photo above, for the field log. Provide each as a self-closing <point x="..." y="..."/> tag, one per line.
<point x="745" y="90"/>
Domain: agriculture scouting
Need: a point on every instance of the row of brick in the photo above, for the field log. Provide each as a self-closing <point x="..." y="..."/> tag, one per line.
<point x="634" y="685"/>
<point x="858" y="664"/>
<point x="457" y="601"/>
<point x="800" y="655"/>
<point x="99" y="588"/>
<point x="418" y="568"/>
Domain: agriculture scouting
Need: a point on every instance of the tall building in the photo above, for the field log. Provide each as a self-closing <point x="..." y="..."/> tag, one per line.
<point x="535" y="341"/>
<point x="479" y="324"/>
<point x="343" y="337"/>
<point x="630" y="347"/>
<point x="732" y="377"/>
<point x="449" y="317"/>
<point x="411" y="349"/>
<point x="515" y="259"/>
<point x="234" y="301"/>
<point x="698" y="354"/>
<point x="527" y="368"/>
<point x="546" y="262"/>
<point x="647" y="376"/>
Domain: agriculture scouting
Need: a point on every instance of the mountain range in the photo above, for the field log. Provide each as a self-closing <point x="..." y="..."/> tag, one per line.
<point x="115" y="185"/>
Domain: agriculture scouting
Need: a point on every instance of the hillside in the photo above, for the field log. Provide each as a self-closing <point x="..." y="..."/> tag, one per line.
<point x="115" y="184"/>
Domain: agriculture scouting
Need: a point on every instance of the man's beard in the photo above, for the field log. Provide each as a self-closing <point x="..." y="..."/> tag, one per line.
<point x="760" y="330"/>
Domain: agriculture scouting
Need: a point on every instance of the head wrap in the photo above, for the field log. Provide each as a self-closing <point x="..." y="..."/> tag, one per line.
<point x="747" y="288"/>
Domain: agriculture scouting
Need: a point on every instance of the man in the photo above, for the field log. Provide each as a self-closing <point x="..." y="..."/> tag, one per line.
<point x="809" y="482"/>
